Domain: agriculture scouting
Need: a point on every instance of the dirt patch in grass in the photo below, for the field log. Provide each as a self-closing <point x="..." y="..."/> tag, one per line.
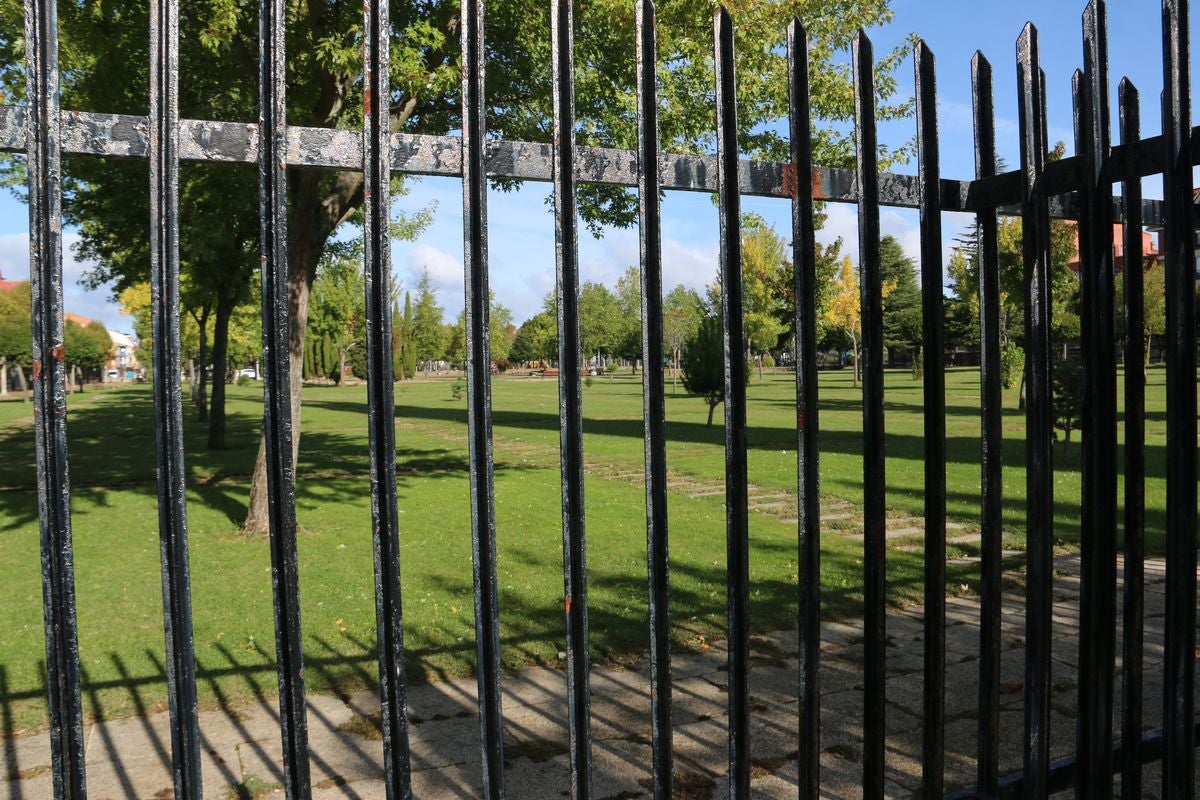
<point x="763" y="767"/>
<point x="252" y="788"/>
<point x="688" y="786"/>
<point x="368" y="726"/>
<point x="536" y="750"/>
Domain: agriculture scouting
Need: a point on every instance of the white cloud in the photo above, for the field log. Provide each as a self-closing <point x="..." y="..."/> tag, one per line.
<point x="445" y="270"/>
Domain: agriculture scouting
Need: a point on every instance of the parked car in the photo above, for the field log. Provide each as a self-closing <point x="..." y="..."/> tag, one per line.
<point x="248" y="372"/>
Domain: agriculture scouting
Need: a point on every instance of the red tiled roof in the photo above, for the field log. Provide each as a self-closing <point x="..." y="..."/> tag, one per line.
<point x="8" y="286"/>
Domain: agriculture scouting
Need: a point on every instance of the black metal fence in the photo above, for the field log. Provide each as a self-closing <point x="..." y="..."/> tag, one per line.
<point x="1080" y="187"/>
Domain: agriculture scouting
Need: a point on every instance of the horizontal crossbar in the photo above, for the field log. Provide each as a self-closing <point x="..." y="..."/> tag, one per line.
<point x="125" y="136"/>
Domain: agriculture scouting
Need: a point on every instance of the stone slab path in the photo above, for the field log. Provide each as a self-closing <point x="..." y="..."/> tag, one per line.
<point x="131" y="757"/>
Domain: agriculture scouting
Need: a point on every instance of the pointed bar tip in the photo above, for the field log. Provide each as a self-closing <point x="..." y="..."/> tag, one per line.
<point x="980" y="62"/>
<point x="796" y="30"/>
<point x="1127" y="90"/>
<point x="1028" y="35"/>
<point x="922" y="51"/>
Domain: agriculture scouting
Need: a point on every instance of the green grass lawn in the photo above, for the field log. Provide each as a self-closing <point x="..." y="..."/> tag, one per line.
<point x="116" y="529"/>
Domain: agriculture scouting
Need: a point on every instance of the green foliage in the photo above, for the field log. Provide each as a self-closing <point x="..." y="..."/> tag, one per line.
<point x="1068" y="400"/>
<point x="243" y="380"/>
<point x="16" y="339"/>
<point x="601" y="323"/>
<point x="703" y="363"/>
<point x="1154" y="304"/>
<point x="902" y="304"/>
<point x="768" y="361"/>
<point x="628" y="333"/>
<point x="457" y="388"/>
<point x="1064" y="283"/>
<point x="500" y="339"/>
<point x="87" y="347"/>
<point x="337" y="312"/>
<point x="682" y="312"/>
<point x="428" y="341"/>
<point x="536" y="339"/>
<point x="1012" y="362"/>
<point x="764" y="268"/>
<point x="404" y="347"/>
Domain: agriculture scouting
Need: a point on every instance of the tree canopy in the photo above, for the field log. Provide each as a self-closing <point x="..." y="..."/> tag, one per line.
<point x="105" y="59"/>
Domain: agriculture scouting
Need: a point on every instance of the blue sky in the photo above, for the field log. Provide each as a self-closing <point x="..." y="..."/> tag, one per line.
<point x="521" y="227"/>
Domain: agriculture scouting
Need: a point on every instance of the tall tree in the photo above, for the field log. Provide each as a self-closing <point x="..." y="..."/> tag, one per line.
<point x="682" y="311"/>
<point x="902" y="303"/>
<point x="600" y="321"/>
<point x="628" y="334"/>
<point x="845" y="309"/>
<point x="499" y="342"/>
<point x="704" y="363"/>
<point x="536" y="339"/>
<point x="764" y="265"/>
<point x="86" y="348"/>
<point x="427" y="325"/>
<point x="338" y="313"/>
<point x="105" y="57"/>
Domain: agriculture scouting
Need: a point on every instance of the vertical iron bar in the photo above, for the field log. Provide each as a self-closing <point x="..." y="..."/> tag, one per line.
<point x="163" y="141"/>
<point x="277" y="408"/>
<point x="992" y="435"/>
<point x="736" y="490"/>
<point x="874" y="502"/>
<point x="381" y="406"/>
<point x="479" y="393"/>
<point x="933" y="743"/>
<point x="654" y="403"/>
<point x="44" y="167"/>
<point x="1179" y="252"/>
<point x="1038" y="419"/>
<point x="570" y="398"/>
<point x="804" y="255"/>
<point x="1098" y="589"/>
<point x="1135" y="457"/>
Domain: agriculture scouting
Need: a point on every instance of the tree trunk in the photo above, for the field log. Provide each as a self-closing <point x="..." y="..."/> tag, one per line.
<point x="220" y="351"/>
<point x="202" y="388"/>
<point x="22" y="384"/>
<point x="341" y="365"/>
<point x="711" y="408"/>
<point x="3" y="377"/>
<point x="312" y="219"/>
<point x="857" y="377"/>
<point x="191" y="366"/>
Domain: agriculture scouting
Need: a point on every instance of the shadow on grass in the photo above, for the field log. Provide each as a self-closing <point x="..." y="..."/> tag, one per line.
<point x="111" y="441"/>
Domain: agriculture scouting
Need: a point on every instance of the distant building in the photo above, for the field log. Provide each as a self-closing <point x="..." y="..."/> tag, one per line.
<point x="1150" y="250"/>
<point x="124" y="365"/>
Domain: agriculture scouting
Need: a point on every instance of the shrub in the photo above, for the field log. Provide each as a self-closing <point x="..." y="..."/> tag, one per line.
<point x="457" y="388"/>
<point x="1012" y="361"/>
<point x="243" y="380"/>
<point x="768" y="361"/>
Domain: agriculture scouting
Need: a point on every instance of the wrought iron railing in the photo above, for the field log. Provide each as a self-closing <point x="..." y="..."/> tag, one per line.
<point x="1079" y="187"/>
